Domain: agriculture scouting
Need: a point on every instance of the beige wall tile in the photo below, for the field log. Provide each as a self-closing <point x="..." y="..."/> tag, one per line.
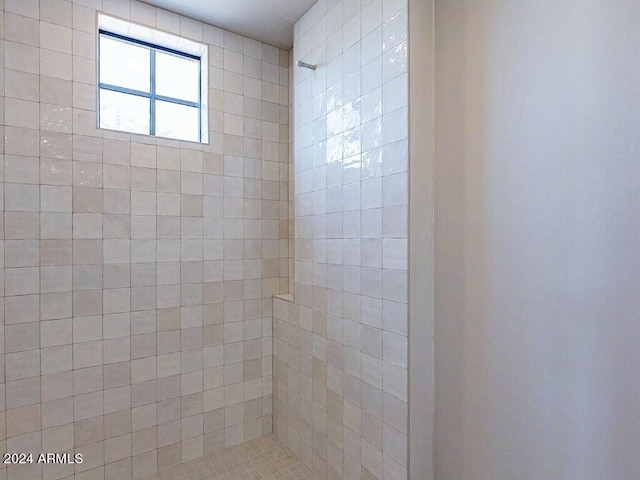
<point x="94" y="325"/>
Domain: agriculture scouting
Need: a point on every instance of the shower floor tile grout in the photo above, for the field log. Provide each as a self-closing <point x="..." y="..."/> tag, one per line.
<point x="264" y="458"/>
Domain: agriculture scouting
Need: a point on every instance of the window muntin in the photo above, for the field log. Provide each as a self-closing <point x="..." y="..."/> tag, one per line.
<point x="149" y="89"/>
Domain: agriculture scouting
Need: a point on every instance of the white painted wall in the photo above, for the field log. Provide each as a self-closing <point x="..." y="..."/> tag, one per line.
<point x="421" y="240"/>
<point x="269" y="21"/>
<point x="537" y="240"/>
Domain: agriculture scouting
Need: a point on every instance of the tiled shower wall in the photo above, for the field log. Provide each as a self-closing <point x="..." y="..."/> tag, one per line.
<point x="138" y="272"/>
<point x="340" y="350"/>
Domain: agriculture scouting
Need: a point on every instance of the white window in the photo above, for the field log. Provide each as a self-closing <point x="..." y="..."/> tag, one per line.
<point x="153" y="88"/>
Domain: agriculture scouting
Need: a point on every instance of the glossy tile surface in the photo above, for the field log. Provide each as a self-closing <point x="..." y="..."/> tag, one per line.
<point x="136" y="273"/>
<point x="340" y="350"/>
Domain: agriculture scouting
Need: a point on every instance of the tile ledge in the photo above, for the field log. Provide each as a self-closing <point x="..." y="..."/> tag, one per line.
<point x="287" y="297"/>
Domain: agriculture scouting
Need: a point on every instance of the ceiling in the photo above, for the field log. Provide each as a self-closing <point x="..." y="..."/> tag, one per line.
<point x="270" y="21"/>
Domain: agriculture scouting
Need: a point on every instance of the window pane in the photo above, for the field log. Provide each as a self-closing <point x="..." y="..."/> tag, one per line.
<point x="177" y="77"/>
<point x="121" y="111"/>
<point x="177" y="121"/>
<point x="124" y="65"/>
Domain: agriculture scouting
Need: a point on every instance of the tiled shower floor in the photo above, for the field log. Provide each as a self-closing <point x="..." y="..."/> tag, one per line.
<point x="261" y="459"/>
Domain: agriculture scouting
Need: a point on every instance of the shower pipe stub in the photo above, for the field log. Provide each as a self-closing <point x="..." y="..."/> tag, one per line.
<point x="306" y="65"/>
